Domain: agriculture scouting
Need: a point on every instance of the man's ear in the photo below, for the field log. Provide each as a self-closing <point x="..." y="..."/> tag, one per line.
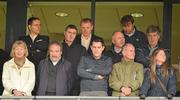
<point x="29" y="27"/>
<point x="91" y="47"/>
<point x="92" y="27"/>
<point x="103" y="48"/>
<point x="123" y="52"/>
<point x="112" y="41"/>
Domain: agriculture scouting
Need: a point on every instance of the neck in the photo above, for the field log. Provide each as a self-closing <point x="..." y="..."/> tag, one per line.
<point x="117" y="49"/>
<point x="159" y="63"/>
<point x="55" y="60"/>
<point x="127" y="59"/>
<point x="68" y="43"/>
<point x="19" y="61"/>
<point x="86" y="36"/>
<point x="97" y="57"/>
<point x="33" y="34"/>
<point x="152" y="46"/>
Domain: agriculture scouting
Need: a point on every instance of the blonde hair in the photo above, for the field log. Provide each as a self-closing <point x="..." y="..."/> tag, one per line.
<point x="19" y="43"/>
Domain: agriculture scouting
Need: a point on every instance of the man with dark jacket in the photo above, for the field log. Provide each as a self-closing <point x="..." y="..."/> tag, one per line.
<point x="37" y="44"/>
<point x="143" y="54"/>
<point x="73" y="52"/>
<point x="86" y="37"/>
<point x="94" y="70"/>
<point x="54" y="73"/>
<point x="115" y="52"/>
<point x="132" y="35"/>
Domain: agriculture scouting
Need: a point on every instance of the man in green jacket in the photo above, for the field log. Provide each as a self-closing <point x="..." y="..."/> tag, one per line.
<point x="127" y="75"/>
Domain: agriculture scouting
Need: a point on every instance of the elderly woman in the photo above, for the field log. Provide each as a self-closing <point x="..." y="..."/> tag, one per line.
<point x="18" y="73"/>
<point x="159" y="80"/>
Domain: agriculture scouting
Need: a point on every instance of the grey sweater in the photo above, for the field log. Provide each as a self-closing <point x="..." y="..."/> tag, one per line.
<point x="88" y="70"/>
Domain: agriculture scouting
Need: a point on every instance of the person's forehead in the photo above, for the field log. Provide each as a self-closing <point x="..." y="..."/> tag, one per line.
<point x="19" y="46"/>
<point x="54" y="46"/>
<point x="130" y="47"/>
<point x="86" y="24"/>
<point x="96" y="43"/>
<point x="161" y="51"/>
<point x="35" y="21"/>
<point x="118" y="34"/>
<point x="153" y="33"/>
<point x="128" y="23"/>
<point x="71" y="29"/>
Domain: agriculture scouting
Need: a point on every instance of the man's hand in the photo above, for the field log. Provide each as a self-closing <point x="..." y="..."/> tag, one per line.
<point x="122" y="94"/>
<point x="100" y="77"/>
<point x="126" y="90"/>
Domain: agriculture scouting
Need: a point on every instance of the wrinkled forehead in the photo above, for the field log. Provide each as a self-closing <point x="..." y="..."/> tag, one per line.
<point x="54" y="46"/>
<point x="128" y="47"/>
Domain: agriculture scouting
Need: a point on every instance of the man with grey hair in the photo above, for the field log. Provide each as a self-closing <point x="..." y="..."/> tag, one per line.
<point x="54" y="73"/>
<point x="143" y="54"/>
<point x="127" y="75"/>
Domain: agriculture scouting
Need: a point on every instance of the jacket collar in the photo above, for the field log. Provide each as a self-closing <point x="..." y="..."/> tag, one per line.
<point x="124" y="61"/>
<point x="64" y="43"/>
<point x="13" y="64"/>
<point x="101" y="58"/>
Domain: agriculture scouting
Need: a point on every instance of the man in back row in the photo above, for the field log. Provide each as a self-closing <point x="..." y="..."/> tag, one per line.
<point x="37" y="44"/>
<point x="115" y="52"/>
<point x="143" y="54"/>
<point x="73" y="52"/>
<point x="86" y="37"/>
<point x="132" y="35"/>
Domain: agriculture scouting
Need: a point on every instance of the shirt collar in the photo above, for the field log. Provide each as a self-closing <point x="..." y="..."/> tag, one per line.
<point x="89" y="38"/>
<point x="117" y="50"/>
<point x="131" y="34"/>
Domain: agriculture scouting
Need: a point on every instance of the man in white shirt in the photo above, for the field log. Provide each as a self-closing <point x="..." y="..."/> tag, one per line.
<point x="86" y="37"/>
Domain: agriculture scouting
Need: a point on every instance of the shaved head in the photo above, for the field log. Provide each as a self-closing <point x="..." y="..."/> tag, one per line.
<point x="118" y="39"/>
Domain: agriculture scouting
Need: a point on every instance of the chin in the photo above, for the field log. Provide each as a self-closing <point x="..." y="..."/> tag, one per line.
<point x="54" y="60"/>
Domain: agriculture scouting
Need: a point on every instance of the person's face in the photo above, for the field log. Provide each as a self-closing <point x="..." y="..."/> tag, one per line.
<point x="129" y="53"/>
<point x="153" y="38"/>
<point x="118" y="39"/>
<point x="19" y="52"/>
<point x="97" y="49"/>
<point x="70" y="34"/>
<point x="86" y="29"/>
<point x="35" y="27"/>
<point x="161" y="56"/>
<point x="55" y="52"/>
<point x="128" y="28"/>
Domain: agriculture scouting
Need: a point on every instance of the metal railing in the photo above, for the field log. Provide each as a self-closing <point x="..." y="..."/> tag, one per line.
<point x="81" y="98"/>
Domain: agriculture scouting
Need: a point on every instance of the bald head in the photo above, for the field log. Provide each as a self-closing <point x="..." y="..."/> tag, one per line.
<point x="128" y="51"/>
<point x="118" y="39"/>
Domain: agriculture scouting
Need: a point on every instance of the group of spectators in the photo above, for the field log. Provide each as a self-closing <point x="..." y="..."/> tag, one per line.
<point x="135" y="65"/>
